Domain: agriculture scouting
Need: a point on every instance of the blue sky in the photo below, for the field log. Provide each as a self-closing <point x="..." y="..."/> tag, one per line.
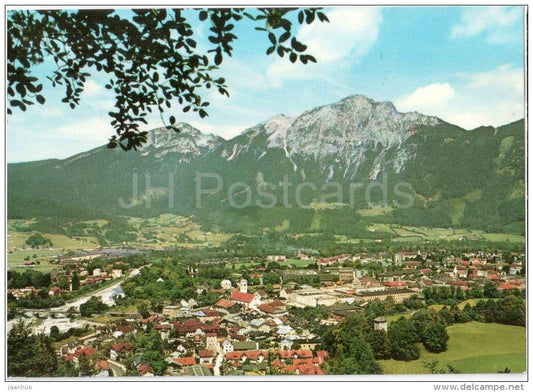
<point x="462" y="64"/>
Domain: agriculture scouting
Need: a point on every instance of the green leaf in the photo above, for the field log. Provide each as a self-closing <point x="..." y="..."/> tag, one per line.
<point x="285" y="36"/>
<point x="293" y="57"/>
<point x="218" y="58"/>
<point x="322" y="17"/>
<point x="298" y="46"/>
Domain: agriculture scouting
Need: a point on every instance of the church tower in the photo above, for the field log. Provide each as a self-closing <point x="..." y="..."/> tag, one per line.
<point x="243" y="286"/>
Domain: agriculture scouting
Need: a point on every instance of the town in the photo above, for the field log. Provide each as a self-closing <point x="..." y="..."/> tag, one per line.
<point x="112" y="313"/>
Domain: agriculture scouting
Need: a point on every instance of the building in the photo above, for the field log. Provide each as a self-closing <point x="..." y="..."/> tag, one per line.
<point x="227" y="346"/>
<point x="226" y="284"/>
<point x="345" y="274"/>
<point x="397" y="294"/>
<point x="243" y="286"/>
<point x="278" y="258"/>
<point x="380" y="323"/>
<point x="171" y="311"/>
<point x="400" y="257"/>
<point x="315" y="297"/>
<point x="246" y="298"/>
<point x="211" y="342"/>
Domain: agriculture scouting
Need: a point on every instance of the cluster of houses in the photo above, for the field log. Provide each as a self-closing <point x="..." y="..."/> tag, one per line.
<point x="86" y="278"/>
<point x="250" y="332"/>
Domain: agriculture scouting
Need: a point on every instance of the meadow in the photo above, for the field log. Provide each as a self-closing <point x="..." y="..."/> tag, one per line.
<point x="473" y="348"/>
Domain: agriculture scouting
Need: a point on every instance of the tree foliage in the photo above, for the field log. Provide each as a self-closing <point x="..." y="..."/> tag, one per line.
<point x="151" y="56"/>
<point x="434" y="337"/>
<point x="349" y="352"/>
<point x="36" y="240"/>
<point x="29" y="355"/>
<point x="93" y="306"/>
<point x="403" y="337"/>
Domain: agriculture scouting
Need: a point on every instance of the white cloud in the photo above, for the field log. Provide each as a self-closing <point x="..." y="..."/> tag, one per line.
<point x="50" y="111"/>
<point x="427" y="97"/>
<point x="91" y="88"/>
<point x="48" y="140"/>
<point x="498" y="23"/>
<point x="505" y="78"/>
<point x="86" y="132"/>
<point x="349" y="35"/>
<point x="104" y="105"/>
<point x="494" y="97"/>
<point x="241" y="75"/>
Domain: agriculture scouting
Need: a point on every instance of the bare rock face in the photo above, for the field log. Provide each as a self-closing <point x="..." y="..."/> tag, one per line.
<point x="186" y="141"/>
<point x="338" y="137"/>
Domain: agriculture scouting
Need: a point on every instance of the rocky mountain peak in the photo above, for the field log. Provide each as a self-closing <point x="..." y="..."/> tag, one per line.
<point x="185" y="140"/>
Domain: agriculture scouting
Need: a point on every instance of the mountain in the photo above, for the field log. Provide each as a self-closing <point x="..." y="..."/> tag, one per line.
<point x="188" y="145"/>
<point x="311" y="172"/>
<point x="338" y="136"/>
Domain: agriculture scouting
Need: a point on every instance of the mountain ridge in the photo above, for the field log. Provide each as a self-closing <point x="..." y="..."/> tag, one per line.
<point x="355" y="140"/>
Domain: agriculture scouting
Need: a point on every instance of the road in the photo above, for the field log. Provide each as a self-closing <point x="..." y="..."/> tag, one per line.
<point x="218" y="362"/>
<point x="117" y="368"/>
<point x="98" y="293"/>
<point x="61" y="323"/>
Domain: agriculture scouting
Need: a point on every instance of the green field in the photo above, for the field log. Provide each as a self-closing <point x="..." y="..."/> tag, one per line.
<point x="164" y="230"/>
<point x="473" y="348"/>
<point x="410" y="233"/>
<point x="168" y="230"/>
<point x="378" y="211"/>
<point x="299" y="263"/>
<point x="61" y="244"/>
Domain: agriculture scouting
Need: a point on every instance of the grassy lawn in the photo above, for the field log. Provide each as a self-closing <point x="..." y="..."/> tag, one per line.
<point x="375" y="211"/>
<point x="499" y="237"/>
<point x="167" y="228"/>
<point x="299" y="263"/>
<point x="102" y="319"/>
<point x="473" y="348"/>
<point x="61" y="243"/>
<point x="414" y="234"/>
<point x="239" y="266"/>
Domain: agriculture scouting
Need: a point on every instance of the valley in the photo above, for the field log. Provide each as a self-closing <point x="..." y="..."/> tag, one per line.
<point x="350" y="239"/>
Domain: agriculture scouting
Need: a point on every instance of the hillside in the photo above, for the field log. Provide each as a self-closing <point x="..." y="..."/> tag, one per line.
<point x="445" y="175"/>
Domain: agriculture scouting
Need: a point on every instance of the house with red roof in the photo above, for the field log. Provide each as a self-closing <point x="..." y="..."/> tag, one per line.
<point x="185" y="361"/>
<point x="102" y="367"/>
<point x="225" y="304"/>
<point x="145" y="370"/>
<point x="206" y="356"/>
<point x="193" y="327"/>
<point x="246" y="299"/>
<point x="118" y="350"/>
<point x="87" y="351"/>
